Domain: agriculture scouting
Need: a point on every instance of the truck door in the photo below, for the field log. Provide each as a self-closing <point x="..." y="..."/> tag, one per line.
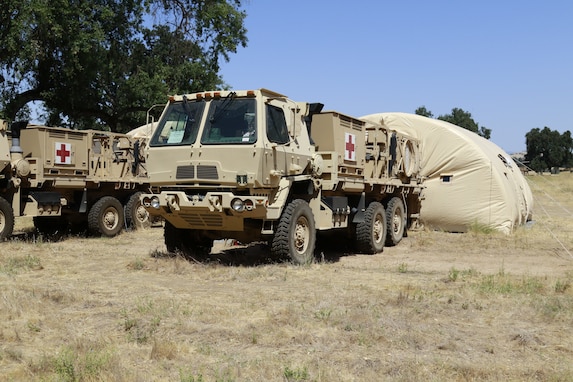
<point x="278" y="137"/>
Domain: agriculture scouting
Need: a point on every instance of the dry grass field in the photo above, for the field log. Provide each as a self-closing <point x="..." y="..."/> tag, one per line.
<point x="479" y="306"/>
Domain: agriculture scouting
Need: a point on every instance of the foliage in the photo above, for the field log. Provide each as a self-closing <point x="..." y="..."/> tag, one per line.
<point x="548" y="148"/>
<point x="464" y="119"/>
<point x="458" y="117"/>
<point x="424" y="112"/>
<point x="105" y="62"/>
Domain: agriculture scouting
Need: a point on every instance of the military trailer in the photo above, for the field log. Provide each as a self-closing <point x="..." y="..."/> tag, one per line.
<point x="256" y="166"/>
<point x="63" y="177"/>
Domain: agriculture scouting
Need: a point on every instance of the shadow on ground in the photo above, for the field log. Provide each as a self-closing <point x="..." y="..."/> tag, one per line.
<point x="257" y="254"/>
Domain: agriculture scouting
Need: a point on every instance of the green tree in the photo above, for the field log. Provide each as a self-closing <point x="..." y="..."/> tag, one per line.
<point x="105" y="62"/>
<point x="458" y="117"/>
<point x="548" y="148"/>
<point x="424" y="112"/>
<point x="462" y="118"/>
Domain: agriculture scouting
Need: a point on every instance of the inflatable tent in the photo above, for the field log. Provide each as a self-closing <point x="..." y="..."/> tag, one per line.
<point x="468" y="179"/>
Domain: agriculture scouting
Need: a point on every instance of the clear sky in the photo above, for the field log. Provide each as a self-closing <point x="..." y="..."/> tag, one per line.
<point x="507" y="62"/>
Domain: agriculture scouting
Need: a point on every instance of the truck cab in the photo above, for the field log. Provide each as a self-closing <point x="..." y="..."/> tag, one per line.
<point x="237" y="140"/>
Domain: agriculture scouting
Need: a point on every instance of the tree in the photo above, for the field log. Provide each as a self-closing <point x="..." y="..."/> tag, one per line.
<point x="424" y="112"/>
<point x="548" y="148"/>
<point x="105" y="62"/>
<point x="460" y="118"/>
<point x="464" y="119"/>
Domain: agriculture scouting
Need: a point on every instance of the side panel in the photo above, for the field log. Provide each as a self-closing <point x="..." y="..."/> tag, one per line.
<point x="61" y="152"/>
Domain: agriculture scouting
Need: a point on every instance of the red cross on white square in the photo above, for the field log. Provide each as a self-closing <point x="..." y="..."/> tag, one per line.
<point x="349" y="147"/>
<point x="63" y="153"/>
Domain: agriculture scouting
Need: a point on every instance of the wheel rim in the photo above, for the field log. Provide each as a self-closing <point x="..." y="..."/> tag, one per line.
<point x="2" y="221"/>
<point x="397" y="221"/>
<point x="141" y="214"/>
<point x="110" y="218"/>
<point x="378" y="229"/>
<point x="301" y="235"/>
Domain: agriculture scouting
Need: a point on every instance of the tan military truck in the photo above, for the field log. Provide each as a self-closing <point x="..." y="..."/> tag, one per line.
<point x="256" y="166"/>
<point x="64" y="177"/>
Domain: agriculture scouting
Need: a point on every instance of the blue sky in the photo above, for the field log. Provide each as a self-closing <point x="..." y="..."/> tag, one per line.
<point x="509" y="63"/>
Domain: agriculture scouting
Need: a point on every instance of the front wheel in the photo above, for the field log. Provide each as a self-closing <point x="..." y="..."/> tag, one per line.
<point x="295" y="236"/>
<point x="192" y="244"/>
<point x="52" y="226"/>
<point x="371" y="233"/>
<point x="106" y="217"/>
<point x="6" y="219"/>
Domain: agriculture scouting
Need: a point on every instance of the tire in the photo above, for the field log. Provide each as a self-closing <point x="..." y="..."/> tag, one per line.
<point x="371" y="233"/>
<point x="106" y="217"/>
<point x="395" y="221"/>
<point x="189" y="243"/>
<point x="6" y="219"/>
<point x="295" y="236"/>
<point x="52" y="226"/>
<point x="171" y="236"/>
<point x="136" y="217"/>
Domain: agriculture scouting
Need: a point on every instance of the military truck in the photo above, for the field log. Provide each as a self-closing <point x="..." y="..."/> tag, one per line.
<point x="63" y="177"/>
<point x="256" y="166"/>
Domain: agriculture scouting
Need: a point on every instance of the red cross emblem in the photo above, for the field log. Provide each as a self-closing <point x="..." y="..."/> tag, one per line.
<point x="63" y="153"/>
<point x="349" y="147"/>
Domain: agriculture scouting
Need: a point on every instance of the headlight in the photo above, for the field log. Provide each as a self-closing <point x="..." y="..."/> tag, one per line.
<point x="237" y="205"/>
<point x="155" y="202"/>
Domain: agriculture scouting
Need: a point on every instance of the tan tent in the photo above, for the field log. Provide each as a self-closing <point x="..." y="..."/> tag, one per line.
<point x="143" y="132"/>
<point x="469" y="179"/>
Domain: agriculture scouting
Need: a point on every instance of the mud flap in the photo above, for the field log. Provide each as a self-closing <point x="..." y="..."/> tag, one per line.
<point x="84" y="202"/>
<point x="359" y="215"/>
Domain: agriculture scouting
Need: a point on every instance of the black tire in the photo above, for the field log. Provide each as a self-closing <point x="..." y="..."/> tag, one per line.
<point x="136" y="217"/>
<point x="6" y="219"/>
<point x="371" y="233"/>
<point x="191" y="244"/>
<point x="395" y="221"/>
<point x="52" y="226"/>
<point x="171" y="236"/>
<point x="106" y="217"/>
<point x="295" y="236"/>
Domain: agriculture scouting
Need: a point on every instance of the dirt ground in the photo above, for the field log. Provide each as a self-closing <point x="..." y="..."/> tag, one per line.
<point x="439" y="306"/>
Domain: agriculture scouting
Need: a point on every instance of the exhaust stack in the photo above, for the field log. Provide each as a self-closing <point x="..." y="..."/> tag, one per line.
<point x="20" y="165"/>
<point x="16" y="151"/>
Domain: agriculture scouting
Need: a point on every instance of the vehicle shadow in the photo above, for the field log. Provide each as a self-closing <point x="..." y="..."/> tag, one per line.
<point x="252" y="255"/>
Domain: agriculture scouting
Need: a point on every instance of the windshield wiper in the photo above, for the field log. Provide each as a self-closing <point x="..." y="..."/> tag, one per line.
<point x="224" y="105"/>
<point x="187" y="109"/>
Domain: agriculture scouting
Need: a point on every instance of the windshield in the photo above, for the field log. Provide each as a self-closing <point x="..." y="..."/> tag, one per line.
<point x="230" y="121"/>
<point x="180" y="124"/>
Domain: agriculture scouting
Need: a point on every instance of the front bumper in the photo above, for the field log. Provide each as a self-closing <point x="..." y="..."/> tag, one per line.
<point x="212" y="211"/>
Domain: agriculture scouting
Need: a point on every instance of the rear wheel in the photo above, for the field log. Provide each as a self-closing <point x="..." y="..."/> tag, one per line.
<point x="136" y="217"/>
<point x="6" y="219"/>
<point x="106" y="217"/>
<point x="396" y="221"/>
<point x="371" y="233"/>
<point x="295" y="236"/>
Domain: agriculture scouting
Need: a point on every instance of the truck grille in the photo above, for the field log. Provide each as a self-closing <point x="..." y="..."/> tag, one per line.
<point x="207" y="172"/>
<point x="184" y="172"/>
<point x="202" y="220"/>
<point x="203" y="172"/>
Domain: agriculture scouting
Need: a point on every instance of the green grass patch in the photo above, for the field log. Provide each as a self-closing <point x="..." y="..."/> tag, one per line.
<point x="15" y="264"/>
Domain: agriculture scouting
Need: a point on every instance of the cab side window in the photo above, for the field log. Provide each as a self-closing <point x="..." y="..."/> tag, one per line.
<point x="277" y="130"/>
<point x="180" y="125"/>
